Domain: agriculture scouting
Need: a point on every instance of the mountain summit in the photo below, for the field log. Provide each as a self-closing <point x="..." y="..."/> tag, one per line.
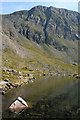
<point x="42" y="35"/>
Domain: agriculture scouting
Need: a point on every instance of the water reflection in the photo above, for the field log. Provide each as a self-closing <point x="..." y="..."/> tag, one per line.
<point x="50" y="98"/>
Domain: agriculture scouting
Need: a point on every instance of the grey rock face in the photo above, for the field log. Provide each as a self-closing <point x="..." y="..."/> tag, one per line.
<point x="43" y="25"/>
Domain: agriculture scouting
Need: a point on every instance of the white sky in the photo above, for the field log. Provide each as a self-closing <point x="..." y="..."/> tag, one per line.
<point x="39" y="0"/>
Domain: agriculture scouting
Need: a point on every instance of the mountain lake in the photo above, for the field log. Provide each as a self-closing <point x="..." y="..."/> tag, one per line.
<point x="51" y="97"/>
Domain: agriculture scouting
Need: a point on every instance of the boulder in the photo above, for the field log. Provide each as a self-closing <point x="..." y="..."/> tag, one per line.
<point x="18" y="105"/>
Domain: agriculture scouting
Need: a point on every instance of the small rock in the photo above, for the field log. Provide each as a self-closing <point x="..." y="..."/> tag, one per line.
<point x="44" y="74"/>
<point x="5" y="69"/>
<point x="30" y="75"/>
<point x="20" y="77"/>
<point x="24" y="75"/>
<point x="3" y="83"/>
<point x="8" y="85"/>
<point x="3" y="92"/>
<point x="76" y="76"/>
<point x="25" y="67"/>
<point x="19" y="73"/>
<point x="31" y="81"/>
<point x="13" y="85"/>
<point x="25" y="78"/>
<point x="14" y="71"/>
<point x="6" y="80"/>
<point x="9" y="70"/>
<point x="64" y="74"/>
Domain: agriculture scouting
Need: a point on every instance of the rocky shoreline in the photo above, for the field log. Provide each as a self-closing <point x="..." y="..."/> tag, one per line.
<point x="22" y="79"/>
<point x="10" y="85"/>
<point x="8" y="77"/>
<point x="6" y="84"/>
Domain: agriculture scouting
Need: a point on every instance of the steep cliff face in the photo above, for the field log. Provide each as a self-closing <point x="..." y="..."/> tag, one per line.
<point x="47" y="29"/>
<point x="42" y="24"/>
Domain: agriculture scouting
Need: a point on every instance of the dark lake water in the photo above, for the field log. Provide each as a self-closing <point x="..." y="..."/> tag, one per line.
<point x="55" y="97"/>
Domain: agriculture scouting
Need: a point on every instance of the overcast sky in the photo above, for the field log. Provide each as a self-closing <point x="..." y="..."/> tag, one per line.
<point x="10" y="6"/>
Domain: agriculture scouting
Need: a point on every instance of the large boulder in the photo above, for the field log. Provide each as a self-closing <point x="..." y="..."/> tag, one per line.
<point x="18" y="105"/>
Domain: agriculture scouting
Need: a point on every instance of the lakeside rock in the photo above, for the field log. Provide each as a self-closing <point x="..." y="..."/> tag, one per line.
<point x="76" y="76"/>
<point x="24" y="78"/>
<point x="18" y="105"/>
<point x="7" y="84"/>
<point x="30" y="75"/>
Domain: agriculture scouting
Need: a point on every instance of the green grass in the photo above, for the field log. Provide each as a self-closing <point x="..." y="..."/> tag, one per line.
<point x="39" y="58"/>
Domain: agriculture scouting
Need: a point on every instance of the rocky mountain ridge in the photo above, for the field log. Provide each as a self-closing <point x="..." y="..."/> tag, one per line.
<point x="40" y="34"/>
